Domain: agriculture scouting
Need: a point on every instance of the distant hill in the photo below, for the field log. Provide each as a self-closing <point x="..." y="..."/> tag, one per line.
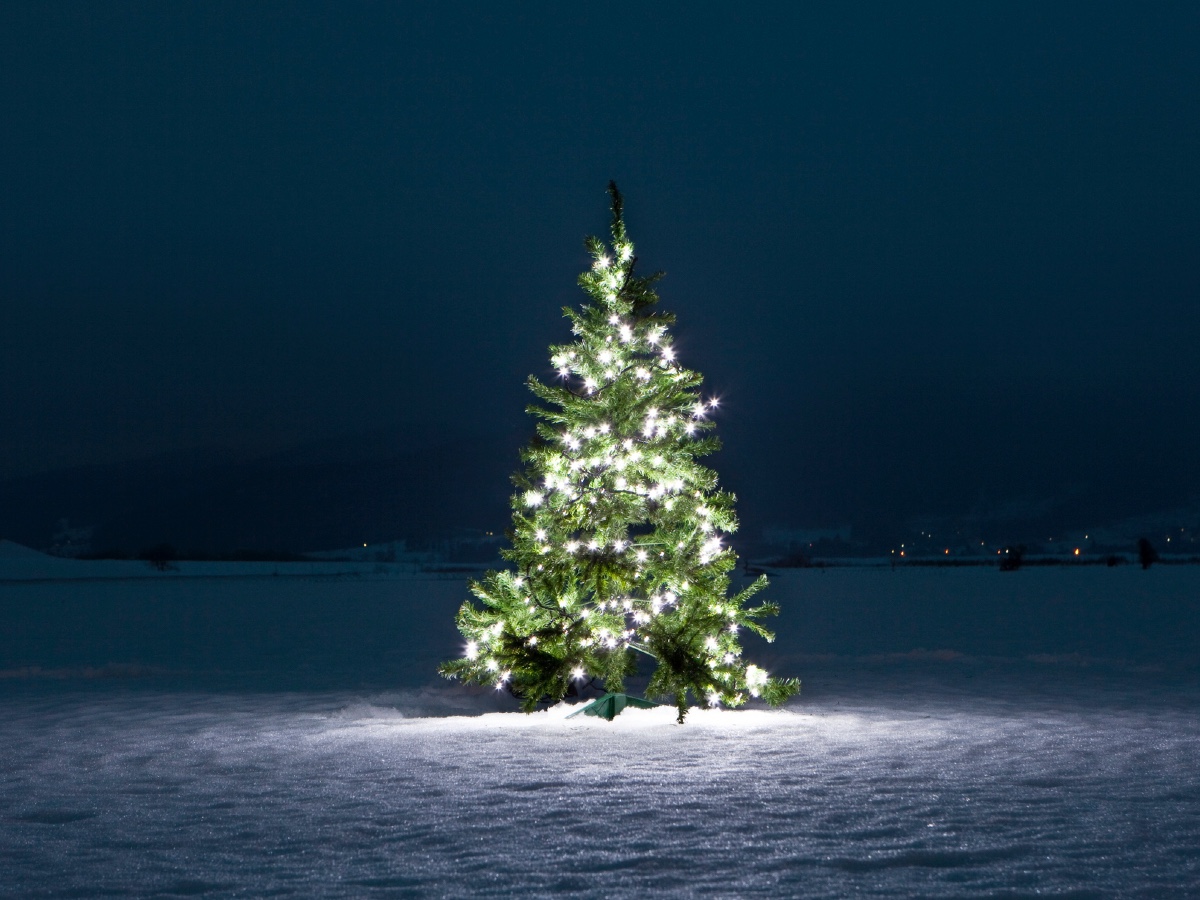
<point x="335" y="493"/>
<point x="10" y="550"/>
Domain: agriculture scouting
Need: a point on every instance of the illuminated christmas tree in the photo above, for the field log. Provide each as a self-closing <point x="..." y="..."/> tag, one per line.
<point x="619" y="534"/>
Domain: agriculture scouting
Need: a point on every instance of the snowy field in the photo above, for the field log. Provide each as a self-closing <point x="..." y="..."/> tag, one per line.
<point x="961" y="733"/>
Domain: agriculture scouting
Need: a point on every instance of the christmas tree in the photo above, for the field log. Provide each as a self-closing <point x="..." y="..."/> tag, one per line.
<point x="619" y="535"/>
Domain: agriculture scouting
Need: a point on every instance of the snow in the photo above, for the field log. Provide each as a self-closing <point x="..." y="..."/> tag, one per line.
<point x="961" y="732"/>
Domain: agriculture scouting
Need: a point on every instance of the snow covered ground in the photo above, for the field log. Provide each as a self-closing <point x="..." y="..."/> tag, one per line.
<point x="961" y="732"/>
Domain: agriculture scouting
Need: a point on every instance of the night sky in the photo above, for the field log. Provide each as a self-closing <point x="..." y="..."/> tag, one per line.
<point x="934" y="258"/>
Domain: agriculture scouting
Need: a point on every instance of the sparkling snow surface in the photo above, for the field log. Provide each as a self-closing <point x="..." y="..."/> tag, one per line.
<point x="896" y="773"/>
<point x="929" y="793"/>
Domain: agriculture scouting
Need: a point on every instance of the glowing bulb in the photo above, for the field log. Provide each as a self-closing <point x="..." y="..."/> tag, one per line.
<point x="756" y="679"/>
<point x="472" y="649"/>
<point x="533" y="498"/>
<point x="601" y="262"/>
<point x="709" y="549"/>
<point x="577" y="673"/>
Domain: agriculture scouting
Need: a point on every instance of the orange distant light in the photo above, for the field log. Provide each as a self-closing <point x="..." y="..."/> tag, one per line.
<point x="1076" y="551"/>
<point x="947" y="551"/>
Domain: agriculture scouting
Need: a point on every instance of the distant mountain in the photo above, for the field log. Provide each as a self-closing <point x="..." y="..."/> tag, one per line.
<point x="332" y="493"/>
<point x="11" y="550"/>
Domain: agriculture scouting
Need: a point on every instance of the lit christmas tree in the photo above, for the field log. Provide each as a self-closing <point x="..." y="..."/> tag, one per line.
<point x="618" y="535"/>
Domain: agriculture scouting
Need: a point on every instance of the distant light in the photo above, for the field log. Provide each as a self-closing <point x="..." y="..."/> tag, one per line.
<point x="1076" y="551"/>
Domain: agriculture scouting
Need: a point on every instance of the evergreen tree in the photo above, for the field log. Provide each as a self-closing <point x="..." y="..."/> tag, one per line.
<point x="618" y="534"/>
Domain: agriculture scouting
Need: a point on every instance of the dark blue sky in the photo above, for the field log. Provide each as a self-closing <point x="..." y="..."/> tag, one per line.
<point x="934" y="257"/>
